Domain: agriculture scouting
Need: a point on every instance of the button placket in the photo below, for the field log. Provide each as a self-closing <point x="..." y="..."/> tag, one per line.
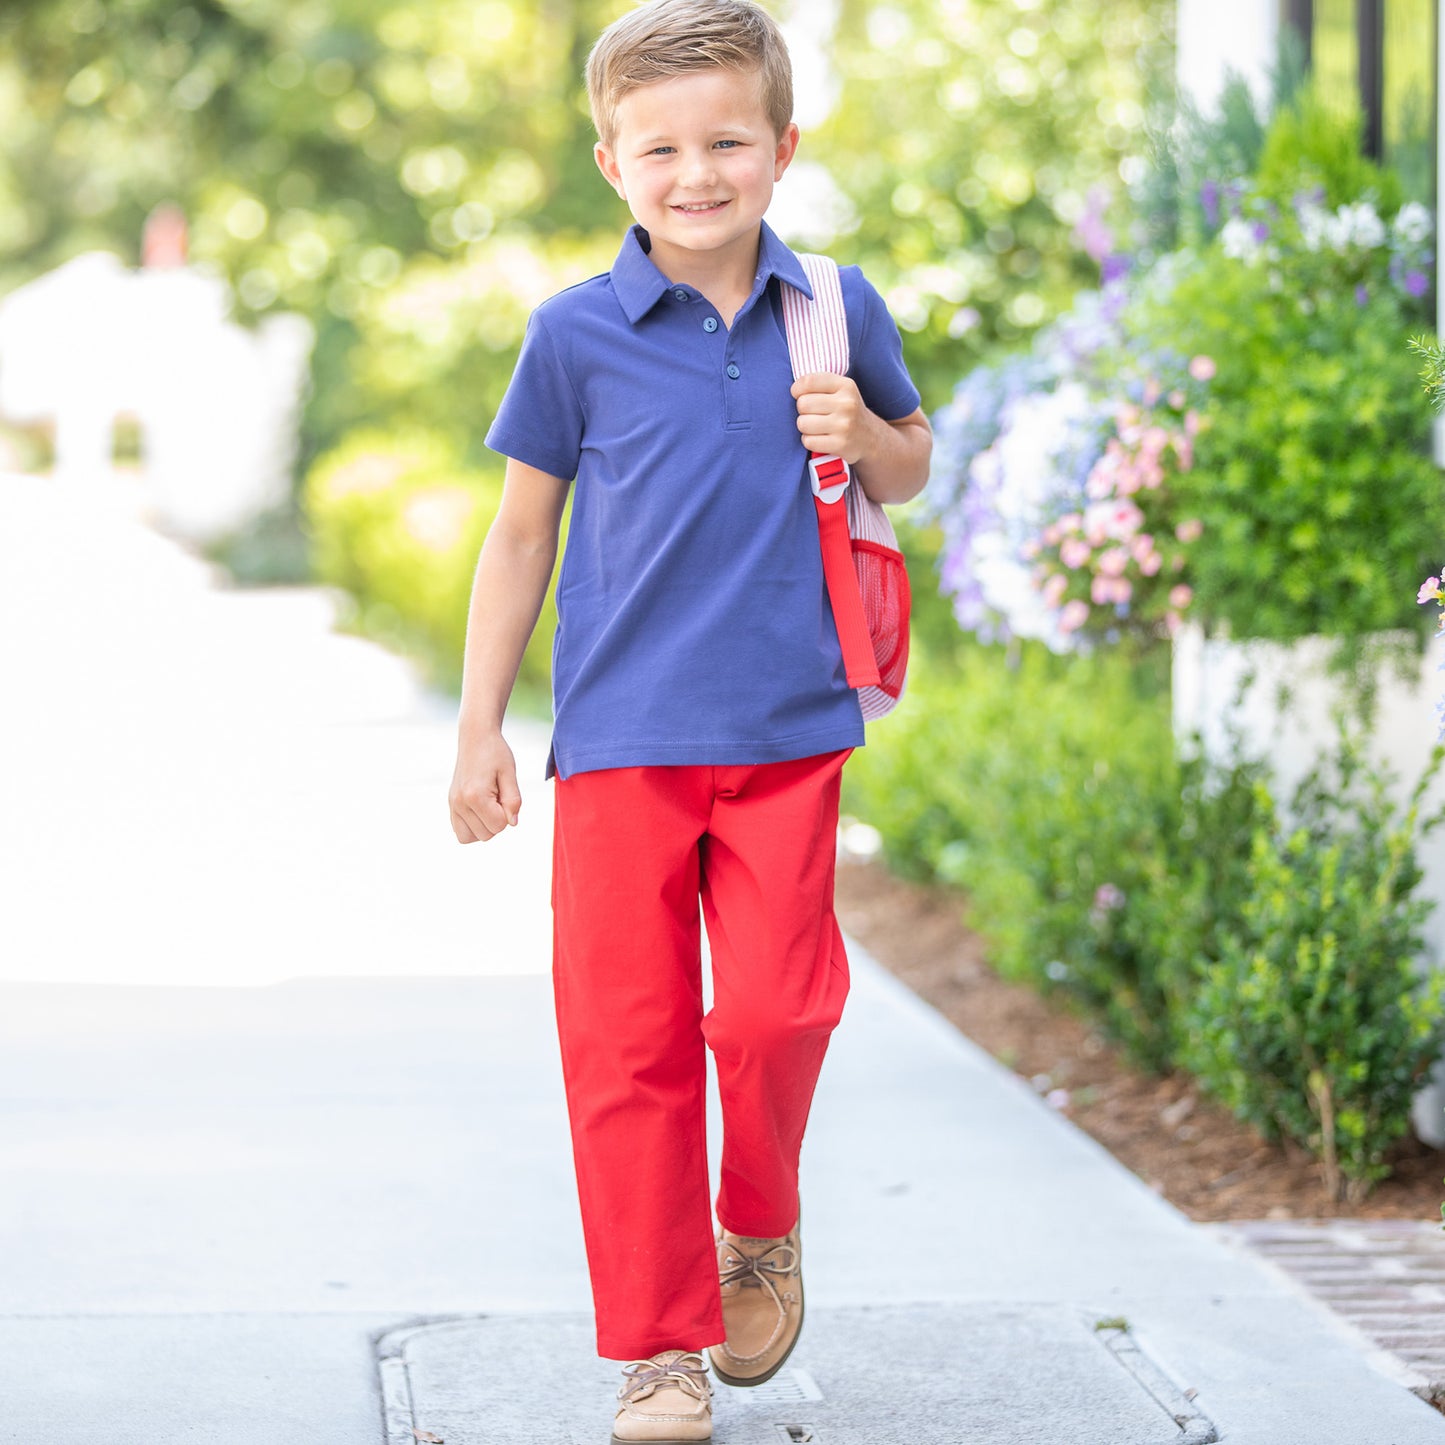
<point x="736" y="403"/>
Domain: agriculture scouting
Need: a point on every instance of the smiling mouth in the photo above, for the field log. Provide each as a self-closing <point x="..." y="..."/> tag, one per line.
<point x="701" y="208"/>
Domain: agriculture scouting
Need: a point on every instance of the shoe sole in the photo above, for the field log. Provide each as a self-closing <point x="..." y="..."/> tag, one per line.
<point x="740" y="1383"/>
<point x="694" y="1441"/>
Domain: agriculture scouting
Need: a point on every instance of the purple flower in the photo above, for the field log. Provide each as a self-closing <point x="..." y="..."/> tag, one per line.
<point x="1092" y="231"/>
<point x="1209" y="200"/>
<point x="1261" y="232"/>
<point x="1116" y="267"/>
<point x="1362" y="294"/>
<point x="1417" y="283"/>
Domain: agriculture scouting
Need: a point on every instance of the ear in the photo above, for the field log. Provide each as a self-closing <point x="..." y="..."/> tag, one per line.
<point x="787" y="149"/>
<point x="607" y="164"/>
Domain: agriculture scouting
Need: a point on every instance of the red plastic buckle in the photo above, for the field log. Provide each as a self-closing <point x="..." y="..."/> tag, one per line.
<point x="829" y="475"/>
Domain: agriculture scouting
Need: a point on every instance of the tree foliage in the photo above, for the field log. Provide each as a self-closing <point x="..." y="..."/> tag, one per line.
<point x="972" y="138"/>
<point x="412" y="173"/>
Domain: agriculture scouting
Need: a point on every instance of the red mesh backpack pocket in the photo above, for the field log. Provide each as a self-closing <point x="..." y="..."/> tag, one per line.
<point x="883" y="581"/>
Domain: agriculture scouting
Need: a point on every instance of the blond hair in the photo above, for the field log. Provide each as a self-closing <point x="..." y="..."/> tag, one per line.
<point x="664" y="38"/>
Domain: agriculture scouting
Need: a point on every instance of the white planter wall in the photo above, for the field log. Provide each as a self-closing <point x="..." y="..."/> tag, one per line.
<point x="1208" y="677"/>
<point x="1217" y="36"/>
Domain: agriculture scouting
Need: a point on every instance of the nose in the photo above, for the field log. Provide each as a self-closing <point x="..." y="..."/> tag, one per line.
<point x="698" y="170"/>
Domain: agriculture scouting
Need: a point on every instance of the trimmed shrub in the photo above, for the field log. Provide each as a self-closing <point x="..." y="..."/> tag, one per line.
<point x="1312" y="1021"/>
<point x="397" y="523"/>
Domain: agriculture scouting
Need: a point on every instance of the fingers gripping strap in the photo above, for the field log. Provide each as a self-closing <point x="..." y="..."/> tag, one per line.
<point x="817" y="331"/>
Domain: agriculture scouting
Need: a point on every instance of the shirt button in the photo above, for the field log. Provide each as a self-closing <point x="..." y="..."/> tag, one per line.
<point x="710" y="324"/>
<point x="733" y="370"/>
<point x="680" y="294"/>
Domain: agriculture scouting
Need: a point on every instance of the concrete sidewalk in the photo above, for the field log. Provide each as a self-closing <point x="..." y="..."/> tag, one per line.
<point x="282" y="1124"/>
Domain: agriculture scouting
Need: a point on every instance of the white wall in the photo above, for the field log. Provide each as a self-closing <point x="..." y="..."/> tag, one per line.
<point x="1219" y="35"/>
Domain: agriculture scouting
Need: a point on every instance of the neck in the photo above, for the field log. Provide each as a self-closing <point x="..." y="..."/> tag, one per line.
<point x="723" y="275"/>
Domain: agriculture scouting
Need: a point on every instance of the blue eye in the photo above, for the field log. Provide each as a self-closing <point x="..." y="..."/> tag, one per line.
<point x="659" y="150"/>
<point x="728" y="142"/>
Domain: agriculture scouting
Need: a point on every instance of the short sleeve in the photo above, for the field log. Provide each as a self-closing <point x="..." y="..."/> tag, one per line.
<point x="540" y="419"/>
<point x="875" y="350"/>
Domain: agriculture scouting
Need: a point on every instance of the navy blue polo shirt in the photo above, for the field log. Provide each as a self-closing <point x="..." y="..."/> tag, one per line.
<point x="694" y="625"/>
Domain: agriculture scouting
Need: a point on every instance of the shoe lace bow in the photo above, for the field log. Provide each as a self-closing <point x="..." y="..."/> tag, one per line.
<point x="751" y="1270"/>
<point x="643" y="1377"/>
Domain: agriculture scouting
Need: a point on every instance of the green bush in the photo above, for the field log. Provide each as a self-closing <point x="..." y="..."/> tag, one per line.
<point x="1312" y="477"/>
<point x="397" y="523"/>
<point x="1163" y="898"/>
<point x="1043" y="787"/>
<point x="1312" y="1022"/>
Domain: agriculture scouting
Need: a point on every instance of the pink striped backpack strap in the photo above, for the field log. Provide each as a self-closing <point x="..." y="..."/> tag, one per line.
<point x="865" y="571"/>
<point x="817" y="331"/>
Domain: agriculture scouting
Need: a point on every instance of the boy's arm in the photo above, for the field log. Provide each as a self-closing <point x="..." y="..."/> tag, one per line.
<point x="511" y="580"/>
<point x="889" y="458"/>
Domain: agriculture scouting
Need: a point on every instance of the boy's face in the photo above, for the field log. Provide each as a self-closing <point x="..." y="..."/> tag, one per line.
<point x="695" y="158"/>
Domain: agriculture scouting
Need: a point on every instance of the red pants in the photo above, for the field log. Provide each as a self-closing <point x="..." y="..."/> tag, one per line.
<point x="635" y="849"/>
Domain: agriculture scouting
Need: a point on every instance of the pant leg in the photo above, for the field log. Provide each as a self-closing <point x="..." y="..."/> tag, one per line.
<point x="628" y="984"/>
<point x="780" y="974"/>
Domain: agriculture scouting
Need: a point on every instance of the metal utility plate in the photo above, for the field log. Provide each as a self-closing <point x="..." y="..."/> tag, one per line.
<point x="913" y="1374"/>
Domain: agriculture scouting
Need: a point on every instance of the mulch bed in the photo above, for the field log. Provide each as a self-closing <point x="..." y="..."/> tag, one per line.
<point x="1189" y="1149"/>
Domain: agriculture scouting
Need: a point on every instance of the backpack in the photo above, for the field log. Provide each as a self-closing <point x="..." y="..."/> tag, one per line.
<point x="862" y="564"/>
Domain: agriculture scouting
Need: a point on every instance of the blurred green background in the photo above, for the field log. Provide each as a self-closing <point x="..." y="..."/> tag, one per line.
<point x="415" y="176"/>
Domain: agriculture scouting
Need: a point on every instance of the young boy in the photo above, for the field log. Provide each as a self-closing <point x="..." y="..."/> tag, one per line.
<point x="702" y="716"/>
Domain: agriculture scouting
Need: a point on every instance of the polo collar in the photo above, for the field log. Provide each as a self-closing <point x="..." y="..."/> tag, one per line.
<point x="639" y="285"/>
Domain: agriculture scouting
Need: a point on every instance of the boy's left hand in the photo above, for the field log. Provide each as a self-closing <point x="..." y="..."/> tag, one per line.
<point x="831" y="415"/>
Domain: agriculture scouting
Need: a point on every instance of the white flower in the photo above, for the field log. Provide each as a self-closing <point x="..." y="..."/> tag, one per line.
<point x="1008" y="587"/>
<point x="1238" y="239"/>
<point x="1358" y="225"/>
<point x="1413" y="224"/>
<point x="1314" y="224"/>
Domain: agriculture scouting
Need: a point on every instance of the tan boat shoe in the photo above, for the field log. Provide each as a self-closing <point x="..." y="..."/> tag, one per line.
<point x="666" y="1400"/>
<point x="762" y="1305"/>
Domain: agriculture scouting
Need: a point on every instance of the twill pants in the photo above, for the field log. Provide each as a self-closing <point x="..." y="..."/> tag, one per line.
<point x="634" y="851"/>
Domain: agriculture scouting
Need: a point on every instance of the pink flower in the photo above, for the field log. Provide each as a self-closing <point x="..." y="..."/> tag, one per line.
<point x="1173" y="622"/>
<point x="1202" y="368"/>
<point x="1176" y="400"/>
<point x="1075" y="552"/>
<point x="1113" y="562"/>
<point x="1180" y="596"/>
<point x="1104" y="590"/>
<point x="1152" y="391"/>
<point x="1055" y="588"/>
<point x="1150" y="564"/>
<point x="1125" y="520"/>
<point x="1189" y="530"/>
<point x="1053" y="535"/>
<point x="1430" y="591"/>
<point x="1192" y="423"/>
<point x="1030" y="550"/>
<point x="1074" y="616"/>
<point x="1141" y="546"/>
<point x="1108" y="897"/>
<point x="1072" y="522"/>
